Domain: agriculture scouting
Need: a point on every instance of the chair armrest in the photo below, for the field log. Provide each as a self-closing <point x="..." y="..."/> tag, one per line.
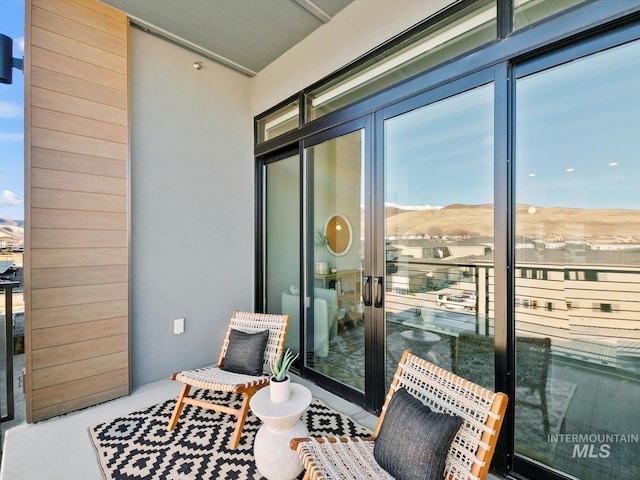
<point x="293" y="444"/>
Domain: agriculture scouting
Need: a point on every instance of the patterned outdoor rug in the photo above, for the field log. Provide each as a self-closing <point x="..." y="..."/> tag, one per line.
<point x="139" y="447"/>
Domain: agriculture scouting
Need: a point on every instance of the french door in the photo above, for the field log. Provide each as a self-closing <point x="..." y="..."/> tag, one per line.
<point x="399" y="243"/>
<point x="439" y="230"/>
<point x="337" y="327"/>
<point x="491" y="226"/>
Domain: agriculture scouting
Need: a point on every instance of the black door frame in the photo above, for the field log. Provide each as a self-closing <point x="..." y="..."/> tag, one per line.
<point x="595" y="26"/>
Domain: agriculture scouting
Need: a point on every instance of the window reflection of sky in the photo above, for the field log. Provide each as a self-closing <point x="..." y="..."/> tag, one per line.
<point x="442" y="153"/>
<point x="574" y="117"/>
<point x="571" y="125"/>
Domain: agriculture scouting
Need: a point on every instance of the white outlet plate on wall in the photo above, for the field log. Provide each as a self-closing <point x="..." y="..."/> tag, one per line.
<point x="178" y="326"/>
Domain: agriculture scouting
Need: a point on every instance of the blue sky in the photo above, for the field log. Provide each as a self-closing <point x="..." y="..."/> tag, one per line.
<point x="577" y="140"/>
<point x="12" y="117"/>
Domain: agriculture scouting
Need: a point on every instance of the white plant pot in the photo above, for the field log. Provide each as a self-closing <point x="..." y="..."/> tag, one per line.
<point x="280" y="391"/>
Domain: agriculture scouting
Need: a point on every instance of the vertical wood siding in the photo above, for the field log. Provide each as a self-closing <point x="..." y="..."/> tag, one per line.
<point x="76" y="158"/>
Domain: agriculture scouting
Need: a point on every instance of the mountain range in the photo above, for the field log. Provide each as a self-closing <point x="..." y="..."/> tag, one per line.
<point x="11" y="228"/>
<point x="550" y="223"/>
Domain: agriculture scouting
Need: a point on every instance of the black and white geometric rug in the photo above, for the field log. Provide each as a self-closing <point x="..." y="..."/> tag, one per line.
<point x="139" y="447"/>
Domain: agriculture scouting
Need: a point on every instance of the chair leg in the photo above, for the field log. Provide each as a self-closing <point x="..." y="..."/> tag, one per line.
<point x="242" y="416"/>
<point x="179" y="406"/>
<point x="545" y="412"/>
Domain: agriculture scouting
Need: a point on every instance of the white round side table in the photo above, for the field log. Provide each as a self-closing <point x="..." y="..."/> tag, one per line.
<point x="281" y="422"/>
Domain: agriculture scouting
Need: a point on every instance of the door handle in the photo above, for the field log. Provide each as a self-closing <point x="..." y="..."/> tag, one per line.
<point x="377" y="281"/>
<point x="366" y="290"/>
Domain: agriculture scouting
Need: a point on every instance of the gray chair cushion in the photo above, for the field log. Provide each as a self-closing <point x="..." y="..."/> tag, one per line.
<point x="414" y="441"/>
<point x="245" y="352"/>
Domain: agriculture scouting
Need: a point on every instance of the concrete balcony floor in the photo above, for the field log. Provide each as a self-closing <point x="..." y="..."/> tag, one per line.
<point x="60" y="448"/>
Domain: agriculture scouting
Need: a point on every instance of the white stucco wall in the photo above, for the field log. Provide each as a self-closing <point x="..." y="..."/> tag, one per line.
<point x="192" y="205"/>
<point x="354" y="31"/>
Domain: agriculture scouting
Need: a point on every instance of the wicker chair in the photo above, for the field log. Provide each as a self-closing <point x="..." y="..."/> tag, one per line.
<point x="475" y="355"/>
<point x="216" y="379"/>
<point x="470" y="453"/>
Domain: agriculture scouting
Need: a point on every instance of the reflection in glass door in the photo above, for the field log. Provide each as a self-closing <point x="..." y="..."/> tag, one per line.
<point x="282" y="243"/>
<point x="439" y="235"/>
<point x="577" y="276"/>
<point x="335" y="320"/>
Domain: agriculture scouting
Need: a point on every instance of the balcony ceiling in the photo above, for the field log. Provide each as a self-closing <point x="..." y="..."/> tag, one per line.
<point x="246" y="35"/>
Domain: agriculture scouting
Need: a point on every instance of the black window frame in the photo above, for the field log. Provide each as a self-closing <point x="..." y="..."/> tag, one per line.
<point x="592" y="26"/>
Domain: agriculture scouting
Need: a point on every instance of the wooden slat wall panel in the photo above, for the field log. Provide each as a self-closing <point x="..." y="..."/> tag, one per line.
<point x="51" y="120"/>
<point x="72" y="48"/>
<point x="83" y="33"/>
<point x="70" y="314"/>
<point x="76" y="68"/>
<point x="59" y="180"/>
<point x="48" y="377"/>
<point x="74" y="162"/>
<point x="45" y="218"/>
<point x="72" y="352"/>
<point x="83" y="401"/>
<point x="75" y="276"/>
<point x="59" y="297"/>
<point x="84" y="12"/>
<point x="65" y="200"/>
<point x="50" y="396"/>
<point x="68" y="103"/>
<point x="70" y="238"/>
<point x="77" y="87"/>
<point x="55" y="140"/>
<point x="53" y="336"/>
<point x="76" y="272"/>
<point x="82" y="257"/>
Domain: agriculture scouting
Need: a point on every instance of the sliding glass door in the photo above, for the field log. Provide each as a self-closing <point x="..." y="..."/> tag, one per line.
<point x="490" y="224"/>
<point x="335" y="321"/>
<point x="438" y="234"/>
<point x="282" y="243"/>
<point x="577" y="276"/>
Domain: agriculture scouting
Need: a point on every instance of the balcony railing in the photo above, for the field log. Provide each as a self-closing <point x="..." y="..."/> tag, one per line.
<point x="6" y="373"/>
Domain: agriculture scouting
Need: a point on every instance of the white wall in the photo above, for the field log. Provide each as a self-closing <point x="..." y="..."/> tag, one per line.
<point x="354" y="31"/>
<point x="192" y="205"/>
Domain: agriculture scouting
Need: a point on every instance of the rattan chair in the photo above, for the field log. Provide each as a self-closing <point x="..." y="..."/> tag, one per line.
<point x="473" y="445"/>
<point x="216" y="379"/>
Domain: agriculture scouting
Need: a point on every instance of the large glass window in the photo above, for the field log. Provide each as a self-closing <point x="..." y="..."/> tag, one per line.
<point x="281" y="121"/>
<point x="527" y="12"/>
<point x="422" y="223"/>
<point x="439" y="235"/>
<point x="282" y="244"/>
<point x="578" y="250"/>
<point x="458" y="33"/>
<point x="335" y="323"/>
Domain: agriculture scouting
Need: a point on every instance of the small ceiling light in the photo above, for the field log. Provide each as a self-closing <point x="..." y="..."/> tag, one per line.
<point x="338" y="227"/>
<point x="197" y="65"/>
<point x="613" y="164"/>
<point x="532" y="210"/>
<point x="570" y="169"/>
<point x="532" y="174"/>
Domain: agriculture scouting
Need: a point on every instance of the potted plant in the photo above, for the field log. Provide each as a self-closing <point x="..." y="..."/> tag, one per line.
<point x="321" y="241"/>
<point x="280" y="386"/>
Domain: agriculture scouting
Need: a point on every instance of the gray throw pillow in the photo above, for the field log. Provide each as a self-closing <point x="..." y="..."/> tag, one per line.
<point x="245" y="352"/>
<point x="414" y="441"/>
